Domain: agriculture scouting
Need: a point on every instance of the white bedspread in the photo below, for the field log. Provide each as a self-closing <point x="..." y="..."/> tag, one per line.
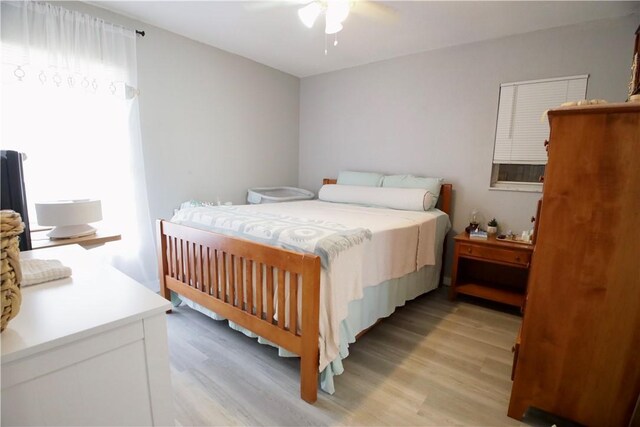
<point x="402" y="242"/>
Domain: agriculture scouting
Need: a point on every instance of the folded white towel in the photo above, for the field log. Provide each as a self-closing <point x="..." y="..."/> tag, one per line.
<point x="36" y="271"/>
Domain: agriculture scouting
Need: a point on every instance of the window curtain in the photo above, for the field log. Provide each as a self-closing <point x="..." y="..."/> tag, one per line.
<point x="70" y="103"/>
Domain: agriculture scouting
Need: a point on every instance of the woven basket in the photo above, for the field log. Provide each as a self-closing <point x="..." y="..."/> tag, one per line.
<point x="11" y="226"/>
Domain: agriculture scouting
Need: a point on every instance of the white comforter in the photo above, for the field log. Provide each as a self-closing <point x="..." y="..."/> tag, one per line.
<point x="402" y="242"/>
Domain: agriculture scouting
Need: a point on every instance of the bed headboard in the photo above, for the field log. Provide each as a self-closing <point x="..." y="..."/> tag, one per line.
<point x="444" y="200"/>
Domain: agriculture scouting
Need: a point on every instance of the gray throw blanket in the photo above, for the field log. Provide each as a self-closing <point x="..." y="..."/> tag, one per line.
<point x="323" y="238"/>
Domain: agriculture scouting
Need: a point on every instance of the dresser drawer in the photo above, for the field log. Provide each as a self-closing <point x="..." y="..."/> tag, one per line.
<point x="495" y="254"/>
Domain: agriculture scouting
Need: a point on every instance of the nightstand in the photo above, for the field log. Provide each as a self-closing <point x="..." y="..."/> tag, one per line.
<point x="491" y="269"/>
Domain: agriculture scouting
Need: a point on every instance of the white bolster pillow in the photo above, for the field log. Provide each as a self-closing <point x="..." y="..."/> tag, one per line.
<point x="408" y="199"/>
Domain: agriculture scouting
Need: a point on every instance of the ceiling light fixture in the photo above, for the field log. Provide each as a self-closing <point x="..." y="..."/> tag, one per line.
<point x="335" y="11"/>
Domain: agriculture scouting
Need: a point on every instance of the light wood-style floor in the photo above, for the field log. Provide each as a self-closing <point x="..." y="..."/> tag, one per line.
<point x="433" y="362"/>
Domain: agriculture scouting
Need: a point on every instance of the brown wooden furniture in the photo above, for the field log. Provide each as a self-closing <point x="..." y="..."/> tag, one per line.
<point x="491" y="269"/>
<point x="217" y="271"/>
<point x="237" y="279"/>
<point x="578" y="356"/>
<point x="39" y="239"/>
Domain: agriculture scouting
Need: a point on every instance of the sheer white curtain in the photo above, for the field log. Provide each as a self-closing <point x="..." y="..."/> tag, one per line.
<point x="69" y="101"/>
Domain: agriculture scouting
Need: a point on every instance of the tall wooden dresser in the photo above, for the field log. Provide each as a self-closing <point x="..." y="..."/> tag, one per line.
<point x="579" y="356"/>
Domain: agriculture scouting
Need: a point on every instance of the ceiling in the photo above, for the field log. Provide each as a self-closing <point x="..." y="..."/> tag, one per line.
<point x="270" y="32"/>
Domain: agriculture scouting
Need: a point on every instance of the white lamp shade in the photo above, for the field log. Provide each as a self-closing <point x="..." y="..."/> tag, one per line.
<point x="310" y="13"/>
<point x="70" y="217"/>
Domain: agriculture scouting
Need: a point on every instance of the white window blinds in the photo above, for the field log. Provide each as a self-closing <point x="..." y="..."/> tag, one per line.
<point x="520" y="133"/>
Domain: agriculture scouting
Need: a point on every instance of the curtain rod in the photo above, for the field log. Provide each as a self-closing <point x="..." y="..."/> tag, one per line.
<point x="140" y="32"/>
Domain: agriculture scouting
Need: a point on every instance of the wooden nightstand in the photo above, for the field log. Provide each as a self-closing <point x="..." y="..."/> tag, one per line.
<point x="491" y="269"/>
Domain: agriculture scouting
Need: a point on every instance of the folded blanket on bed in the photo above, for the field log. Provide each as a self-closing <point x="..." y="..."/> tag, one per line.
<point x="323" y="238"/>
<point x="36" y="271"/>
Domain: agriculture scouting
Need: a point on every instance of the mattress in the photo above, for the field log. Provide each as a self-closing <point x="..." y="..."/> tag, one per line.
<point x="401" y="243"/>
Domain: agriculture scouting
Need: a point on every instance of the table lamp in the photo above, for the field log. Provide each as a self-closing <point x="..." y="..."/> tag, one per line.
<point x="475" y="221"/>
<point x="69" y="218"/>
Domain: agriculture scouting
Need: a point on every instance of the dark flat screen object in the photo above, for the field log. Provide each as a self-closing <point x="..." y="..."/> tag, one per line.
<point x="13" y="195"/>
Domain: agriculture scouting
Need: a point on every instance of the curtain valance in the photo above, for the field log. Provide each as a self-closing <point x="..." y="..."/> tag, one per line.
<point x="66" y="48"/>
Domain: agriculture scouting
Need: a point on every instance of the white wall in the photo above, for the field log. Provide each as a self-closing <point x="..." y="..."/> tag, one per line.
<point x="213" y="123"/>
<point x="434" y="113"/>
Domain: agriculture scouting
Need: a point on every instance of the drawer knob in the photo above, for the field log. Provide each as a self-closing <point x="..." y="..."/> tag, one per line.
<point x="517" y="258"/>
<point x="469" y="250"/>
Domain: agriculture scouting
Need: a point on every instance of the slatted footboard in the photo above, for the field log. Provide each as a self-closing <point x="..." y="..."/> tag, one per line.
<point x="272" y="292"/>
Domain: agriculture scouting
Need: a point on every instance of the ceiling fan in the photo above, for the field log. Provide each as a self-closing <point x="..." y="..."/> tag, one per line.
<point x="334" y="11"/>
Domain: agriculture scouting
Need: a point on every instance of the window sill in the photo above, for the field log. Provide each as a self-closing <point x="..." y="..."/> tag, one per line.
<point x="517" y="186"/>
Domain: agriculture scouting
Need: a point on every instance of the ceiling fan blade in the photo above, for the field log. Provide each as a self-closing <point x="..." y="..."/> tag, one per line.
<point x="375" y="10"/>
<point x="257" y="6"/>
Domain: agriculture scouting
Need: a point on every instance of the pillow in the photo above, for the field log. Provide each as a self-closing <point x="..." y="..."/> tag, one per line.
<point x="408" y="199"/>
<point x="364" y="179"/>
<point x="409" y="181"/>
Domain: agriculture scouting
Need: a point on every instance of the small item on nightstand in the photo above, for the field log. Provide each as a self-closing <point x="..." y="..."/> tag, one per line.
<point x="492" y="227"/>
<point x="508" y="236"/>
<point x="474" y="221"/>
<point x="524" y="237"/>
<point x="471" y="227"/>
<point x="478" y="234"/>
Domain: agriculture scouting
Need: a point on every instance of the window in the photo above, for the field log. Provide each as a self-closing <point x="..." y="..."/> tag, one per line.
<point x="519" y="156"/>
<point x="69" y="102"/>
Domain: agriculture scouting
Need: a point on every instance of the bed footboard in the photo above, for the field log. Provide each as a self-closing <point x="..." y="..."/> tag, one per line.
<point x="272" y="292"/>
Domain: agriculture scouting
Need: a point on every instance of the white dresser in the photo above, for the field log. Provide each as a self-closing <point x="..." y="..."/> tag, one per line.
<point x="86" y="350"/>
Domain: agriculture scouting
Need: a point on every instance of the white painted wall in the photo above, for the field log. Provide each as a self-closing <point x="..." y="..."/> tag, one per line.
<point x="434" y="113"/>
<point x="213" y="123"/>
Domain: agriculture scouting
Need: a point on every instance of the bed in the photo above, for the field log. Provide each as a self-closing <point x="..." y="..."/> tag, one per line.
<point x="275" y="292"/>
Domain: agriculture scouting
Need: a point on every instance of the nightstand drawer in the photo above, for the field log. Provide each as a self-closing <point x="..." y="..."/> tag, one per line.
<point x="495" y="254"/>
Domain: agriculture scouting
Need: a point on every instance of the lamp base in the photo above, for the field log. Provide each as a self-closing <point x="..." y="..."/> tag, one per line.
<point x="71" y="231"/>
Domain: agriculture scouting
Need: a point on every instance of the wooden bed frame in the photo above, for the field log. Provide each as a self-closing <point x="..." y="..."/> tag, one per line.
<point x="218" y="272"/>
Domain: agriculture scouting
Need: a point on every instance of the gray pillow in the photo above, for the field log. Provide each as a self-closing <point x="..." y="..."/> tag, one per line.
<point x="362" y="179"/>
